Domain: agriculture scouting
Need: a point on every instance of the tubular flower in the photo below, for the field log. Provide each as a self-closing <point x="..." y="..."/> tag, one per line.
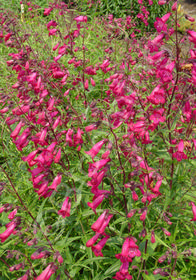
<point x="91" y="241"/>
<point x="98" y="200"/>
<point x="10" y="230"/>
<point x="81" y="19"/>
<point x="97" y="248"/>
<point x="102" y="222"/>
<point x="96" y="148"/>
<point x="47" y="273"/>
<point x="129" y="250"/>
<point x="123" y="273"/>
<point x="65" y="210"/>
<point x="194" y="211"/>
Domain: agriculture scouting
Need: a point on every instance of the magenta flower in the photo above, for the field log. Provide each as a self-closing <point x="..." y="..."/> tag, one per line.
<point x="155" y="190"/>
<point x="131" y="213"/>
<point x="12" y="214"/>
<point x="134" y="196"/>
<point x="47" y="273"/>
<point x="47" y="11"/>
<point x="25" y="276"/>
<point x="166" y="232"/>
<point x="192" y="37"/>
<point x="194" y="211"/>
<point x="153" y="237"/>
<point x="96" y="180"/>
<point x="143" y="215"/>
<point x="58" y="156"/>
<point x="2" y="209"/>
<point x="91" y="241"/>
<point x="52" y="31"/>
<point x="100" y="225"/>
<point x="174" y="6"/>
<point x="91" y="127"/>
<point x="98" y="200"/>
<point x="94" y="167"/>
<point x="133" y="249"/>
<point x="81" y="19"/>
<point x="16" y="131"/>
<point x="51" y="23"/>
<point x="56" y="182"/>
<point x="97" y="248"/>
<point x="96" y="148"/>
<point x="180" y="155"/>
<point x="157" y="96"/>
<point x="39" y="254"/>
<point x="10" y="230"/>
<point x="157" y="116"/>
<point x="65" y="210"/>
<point x="123" y="272"/>
<point x="129" y="250"/>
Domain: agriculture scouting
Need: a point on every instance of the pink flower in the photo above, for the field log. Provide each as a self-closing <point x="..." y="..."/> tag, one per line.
<point x="91" y="241"/>
<point x="58" y="74"/>
<point x="143" y="215"/>
<point x="131" y="213"/>
<point x="47" y="11"/>
<point x="94" y="167"/>
<point x="155" y="190"/>
<point x="123" y="272"/>
<point x="58" y="156"/>
<point x="10" y="229"/>
<point x="153" y="237"/>
<point x="96" y="180"/>
<point x="81" y="19"/>
<point x="192" y="37"/>
<point x="157" y="96"/>
<point x="129" y="250"/>
<point x="102" y="222"/>
<point x="98" y="200"/>
<point x="25" y="276"/>
<point x="180" y="155"/>
<point x="191" y="19"/>
<point x="16" y="267"/>
<point x="47" y="273"/>
<point x="16" y="131"/>
<point x="51" y="23"/>
<point x="12" y="214"/>
<point x="156" y="42"/>
<point x="165" y="73"/>
<point x="160" y="25"/>
<point x="162" y="2"/>
<point x="157" y="116"/>
<point x="2" y="209"/>
<point x="97" y="248"/>
<point x="65" y="210"/>
<point x="166" y="232"/>
<point x="52" y="31"/>
<point x="92" y="82"/>
<point x="56" y="182"/>
<point x="194" y="211"/>
<point x="7" y="36"/>
<point x="39" y="254"/>
<point x="86" y="84"/>
<point x="96" y="148"/>
<point x="91" y="127"/>
<point x="174" y="6"/>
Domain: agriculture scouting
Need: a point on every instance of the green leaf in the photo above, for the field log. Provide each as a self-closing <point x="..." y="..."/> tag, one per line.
<point x="115" y="267"/>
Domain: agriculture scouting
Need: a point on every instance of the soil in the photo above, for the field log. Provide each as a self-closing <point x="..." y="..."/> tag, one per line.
<point x="189" y="6"/>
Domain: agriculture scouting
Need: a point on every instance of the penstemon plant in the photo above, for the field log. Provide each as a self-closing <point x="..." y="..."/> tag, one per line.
<point x="98" y="148"/>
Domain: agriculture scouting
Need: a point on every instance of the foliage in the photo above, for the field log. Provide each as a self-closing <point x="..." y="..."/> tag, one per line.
<point x="143" y="12"/>
<point x="97" y="157"/>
